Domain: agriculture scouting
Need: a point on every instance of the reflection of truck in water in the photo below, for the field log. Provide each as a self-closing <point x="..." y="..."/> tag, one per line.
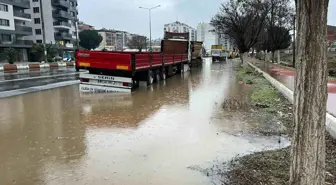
<point x="218" y="53"/>
<point x="129" y="110"/>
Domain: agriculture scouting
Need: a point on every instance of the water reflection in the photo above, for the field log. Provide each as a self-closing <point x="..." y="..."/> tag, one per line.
<point x="31" y="126"/>
<point x="149" y="137"/>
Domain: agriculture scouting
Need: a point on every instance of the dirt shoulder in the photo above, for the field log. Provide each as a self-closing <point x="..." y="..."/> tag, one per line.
<point x="268" y="167"/>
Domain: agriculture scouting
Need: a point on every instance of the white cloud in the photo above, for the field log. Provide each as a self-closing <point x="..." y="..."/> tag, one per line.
<point x="126" y="15"/>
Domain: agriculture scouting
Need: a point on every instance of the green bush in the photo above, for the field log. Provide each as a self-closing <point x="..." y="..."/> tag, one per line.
<point x="11" y="55"/>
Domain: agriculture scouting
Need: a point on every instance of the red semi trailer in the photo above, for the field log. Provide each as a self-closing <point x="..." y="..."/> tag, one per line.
<point x="124" y="71"/>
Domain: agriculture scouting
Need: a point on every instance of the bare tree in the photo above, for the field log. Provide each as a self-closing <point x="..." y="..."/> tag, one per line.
<point x="242" y="21"/>
<point x="278" y="24"/>
<point x="137" y="42"/>
<point x="310" y="96"/>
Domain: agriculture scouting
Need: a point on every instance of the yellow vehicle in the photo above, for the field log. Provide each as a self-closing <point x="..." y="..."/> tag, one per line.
<point x="218" y="53"/>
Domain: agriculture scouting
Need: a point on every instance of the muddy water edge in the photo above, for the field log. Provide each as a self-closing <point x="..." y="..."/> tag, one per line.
<point x="266" y="167"/>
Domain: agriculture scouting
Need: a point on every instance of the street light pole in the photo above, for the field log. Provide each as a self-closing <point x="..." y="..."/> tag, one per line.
<point x="150" y="24"/>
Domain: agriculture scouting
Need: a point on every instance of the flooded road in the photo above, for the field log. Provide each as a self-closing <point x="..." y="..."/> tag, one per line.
<point x="287" y="77"/>
<point x="158" y="135"/>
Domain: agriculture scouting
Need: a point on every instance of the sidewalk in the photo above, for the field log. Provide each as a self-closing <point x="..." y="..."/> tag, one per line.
<point x="288" y="93"/>
<point x="33" y="66"/>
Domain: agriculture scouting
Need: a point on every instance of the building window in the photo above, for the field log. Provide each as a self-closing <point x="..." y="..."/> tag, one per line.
<point x="35" y="0"/>
<point x="36" y="10"/>
<point x="38" y="31"/>
<point x="4" y="7"/>
<point x="39" y="41"/>
<point x="4" y="22"/>
<point x="37" y="21"/>
<point x="6" y="37"/>
<point x="73" y="14"/>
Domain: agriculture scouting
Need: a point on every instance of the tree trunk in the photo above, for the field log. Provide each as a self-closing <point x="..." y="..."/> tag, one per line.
<point x="243" y="57"/>
<point x="278" y="56"/>
<point x="273" y="60"/>
<point x="310" y="95"/>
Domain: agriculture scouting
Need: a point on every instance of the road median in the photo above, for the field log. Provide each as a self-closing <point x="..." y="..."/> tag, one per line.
<point x="34" y="66"/>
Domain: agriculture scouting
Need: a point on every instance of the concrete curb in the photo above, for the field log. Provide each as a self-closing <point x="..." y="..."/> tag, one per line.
<point x="331" y="120"/>
<point x="16" y="67"/>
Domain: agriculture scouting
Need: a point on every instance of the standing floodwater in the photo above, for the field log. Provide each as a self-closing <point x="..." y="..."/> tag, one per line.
<point x="153" y="136"/>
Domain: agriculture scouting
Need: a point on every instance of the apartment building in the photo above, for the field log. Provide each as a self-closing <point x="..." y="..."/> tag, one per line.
<point x="226" y="41"/>
<point x="206" y="34"/>
<point x="331" y="34"/>
<point x="114" y="40"/>
<point x="84" y="26"/>
<point x="59" y="17"/>
<point x="179" y="27"/>
<point x="109" y="40"/>
<point x="14" y="26"/>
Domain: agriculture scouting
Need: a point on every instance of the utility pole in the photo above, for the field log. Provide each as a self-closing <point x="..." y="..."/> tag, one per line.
<point x="43" y="34"/>
<point x="150" y="24"/>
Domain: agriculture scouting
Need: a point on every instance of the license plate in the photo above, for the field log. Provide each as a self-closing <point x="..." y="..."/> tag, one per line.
<point x="109" y="82"/>
<point x="105" y="77"/>
<point x="84" y="64"/>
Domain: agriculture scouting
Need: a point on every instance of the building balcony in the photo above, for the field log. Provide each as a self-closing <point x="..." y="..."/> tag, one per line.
<point x="18" y="3"/>
<point x="75" y="1"/>
<point x="61" y="14"/>
<point x="61" y="3"/>
<point x="60" y="25"/>
<point x="23" y="30"/>
<point x="22" y="15"/>
<point x="17" y="43"/>
<point x="63" y="36"/>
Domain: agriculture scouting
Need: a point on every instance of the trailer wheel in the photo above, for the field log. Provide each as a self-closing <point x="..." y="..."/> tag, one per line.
<point x="163" y="74"/>
<point x="182" y="68"/>
<point x="150" y="78"/>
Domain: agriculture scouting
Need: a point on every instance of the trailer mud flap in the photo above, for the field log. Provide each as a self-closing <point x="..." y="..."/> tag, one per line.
<point x="102" y="89"/>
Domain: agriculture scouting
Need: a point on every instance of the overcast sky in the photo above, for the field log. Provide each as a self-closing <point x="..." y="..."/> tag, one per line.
<point x="126" y="15"/>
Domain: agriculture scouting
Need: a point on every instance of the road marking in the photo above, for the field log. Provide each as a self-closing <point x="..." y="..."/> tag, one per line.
<point x="38" y="77"/>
